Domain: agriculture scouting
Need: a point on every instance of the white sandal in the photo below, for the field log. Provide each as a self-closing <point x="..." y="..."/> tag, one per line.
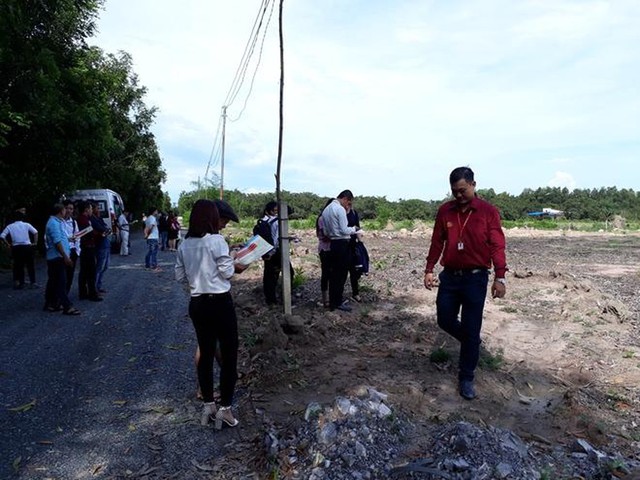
<point x="208" y="413"/>
<point x="225" y="415"/>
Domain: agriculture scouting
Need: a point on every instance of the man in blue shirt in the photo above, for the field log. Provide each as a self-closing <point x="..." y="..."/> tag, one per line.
<point x="58" y="260"/>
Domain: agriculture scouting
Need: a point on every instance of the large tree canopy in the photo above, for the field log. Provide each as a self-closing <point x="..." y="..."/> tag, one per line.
<point x="71" y="116"/>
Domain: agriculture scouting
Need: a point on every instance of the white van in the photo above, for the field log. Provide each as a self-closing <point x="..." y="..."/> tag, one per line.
<point x="111" y="206"/>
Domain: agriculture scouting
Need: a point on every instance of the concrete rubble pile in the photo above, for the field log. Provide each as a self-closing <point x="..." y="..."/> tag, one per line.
<point x="361" y="437"/>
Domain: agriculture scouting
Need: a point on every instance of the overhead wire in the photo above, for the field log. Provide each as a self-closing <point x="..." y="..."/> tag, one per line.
<point x="255" y="71"/>
<point x="239" y="78"/>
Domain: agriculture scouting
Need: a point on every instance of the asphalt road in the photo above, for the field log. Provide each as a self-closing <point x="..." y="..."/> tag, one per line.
<point x="109" y="393"/>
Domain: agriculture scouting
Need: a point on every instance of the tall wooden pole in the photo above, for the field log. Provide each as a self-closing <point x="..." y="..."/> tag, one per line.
<point x="283" y="211"/>
<point x="224" y="129"/>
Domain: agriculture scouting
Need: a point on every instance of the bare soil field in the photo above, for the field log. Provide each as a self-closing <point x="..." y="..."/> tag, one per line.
<point x="561" y="355"/>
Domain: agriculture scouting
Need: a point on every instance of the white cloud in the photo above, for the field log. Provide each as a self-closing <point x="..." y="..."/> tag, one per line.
<point x="562" y="180"/>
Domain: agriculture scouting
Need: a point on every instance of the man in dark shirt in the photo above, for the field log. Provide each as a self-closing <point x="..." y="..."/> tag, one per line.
<point x="87" y="276"/>
<point x="101" y="233"/>
<point x="469" y="237"/>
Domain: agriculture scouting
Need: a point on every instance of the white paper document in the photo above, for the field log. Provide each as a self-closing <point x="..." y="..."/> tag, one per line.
<point x="83" y="232"/>
<point x="255" y="248"/>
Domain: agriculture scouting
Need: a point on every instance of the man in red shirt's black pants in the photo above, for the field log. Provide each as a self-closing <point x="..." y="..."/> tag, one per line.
<point x="468" y="236"/>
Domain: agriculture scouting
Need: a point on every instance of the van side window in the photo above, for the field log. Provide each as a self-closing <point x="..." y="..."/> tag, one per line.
<point x="116" y="206"/>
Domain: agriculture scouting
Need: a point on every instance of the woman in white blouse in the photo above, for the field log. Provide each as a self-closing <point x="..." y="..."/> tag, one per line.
<point x="204" y="260"/>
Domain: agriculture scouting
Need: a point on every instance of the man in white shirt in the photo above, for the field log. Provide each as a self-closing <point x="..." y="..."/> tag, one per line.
<point x="152" y="235"/>
<point x="19" y="233"/>
<point x="70" y="227"/>
<point x="123" y="225"/>
<point x="334" y="219"/>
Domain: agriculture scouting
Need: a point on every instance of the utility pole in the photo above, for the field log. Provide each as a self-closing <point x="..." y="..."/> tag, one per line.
<point x="283" y="210"/>
<point x="224" y="128"/>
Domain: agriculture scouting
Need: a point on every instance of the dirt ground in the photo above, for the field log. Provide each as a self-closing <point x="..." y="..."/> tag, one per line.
<point x="561" y="352"/>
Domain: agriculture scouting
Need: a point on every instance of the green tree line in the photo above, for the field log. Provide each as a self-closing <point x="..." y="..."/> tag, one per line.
<point x="71" y="116"/>
<point x="587" y="204"/>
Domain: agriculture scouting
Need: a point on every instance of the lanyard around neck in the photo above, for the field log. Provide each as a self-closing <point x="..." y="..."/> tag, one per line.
<point x="462" y="225"/>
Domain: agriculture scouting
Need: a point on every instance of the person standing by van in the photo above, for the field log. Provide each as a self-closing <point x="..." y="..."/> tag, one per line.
<point x="152" y="236"/>
<point x="163" y="230"/>
<point x="87" y="275"/>
<point x="103" y="246"/>
<point x="71" y="228"/>
<point x="123" y="226"/>
<point x="58" y="251"/>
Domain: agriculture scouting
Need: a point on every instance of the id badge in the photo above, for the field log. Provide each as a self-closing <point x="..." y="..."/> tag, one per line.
<point x="460" y="246"/>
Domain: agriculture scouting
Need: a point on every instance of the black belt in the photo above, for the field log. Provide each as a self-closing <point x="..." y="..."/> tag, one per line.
<point x="464" y="271"/>
<point x="211" y="295"/>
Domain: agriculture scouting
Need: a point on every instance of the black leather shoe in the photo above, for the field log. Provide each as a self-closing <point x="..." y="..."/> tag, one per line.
<point x="466" y="389"/>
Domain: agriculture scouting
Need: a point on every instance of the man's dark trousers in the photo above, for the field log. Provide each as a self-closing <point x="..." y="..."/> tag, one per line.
<point x="464" y="292"/>
<point x="340" y="259"/>
<point x="23" y="257"/>
<point x="272" y="269"/>
<point x="87" y="275"/>
<point x="56" y="292"/>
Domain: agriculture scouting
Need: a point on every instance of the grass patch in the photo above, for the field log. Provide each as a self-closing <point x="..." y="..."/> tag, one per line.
<point x="440" y="355"/>
<point x="489" y="361"/>
<point x="250" y="339"/>
<point x="407" y="224"/>
<point x="299" y="278"/>
<point x="364" y="288"/>
<point x="303" y="223"/>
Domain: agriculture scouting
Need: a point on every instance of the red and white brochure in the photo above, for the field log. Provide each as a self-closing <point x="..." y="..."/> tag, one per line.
<point x="255" y="248"/>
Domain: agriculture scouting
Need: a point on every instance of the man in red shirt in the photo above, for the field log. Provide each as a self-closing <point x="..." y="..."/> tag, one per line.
<point x="468" y="236"/>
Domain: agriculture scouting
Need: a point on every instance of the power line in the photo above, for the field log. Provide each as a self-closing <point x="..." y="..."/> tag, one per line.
<point x="253" y="78"/>
<point x="238" y="79"/>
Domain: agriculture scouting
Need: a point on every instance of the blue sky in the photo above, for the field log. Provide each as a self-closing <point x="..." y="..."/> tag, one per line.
<point x="387" y="97"/>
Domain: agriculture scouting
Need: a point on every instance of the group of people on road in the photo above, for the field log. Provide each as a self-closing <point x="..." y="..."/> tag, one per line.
<point x="168" y="230"/>
<point x="161" y="232"/>
<point x="76" y="231"/>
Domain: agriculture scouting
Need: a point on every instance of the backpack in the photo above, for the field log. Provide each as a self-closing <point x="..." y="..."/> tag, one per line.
<point x="263" y="228"/>
<point x="360" y="258"/>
